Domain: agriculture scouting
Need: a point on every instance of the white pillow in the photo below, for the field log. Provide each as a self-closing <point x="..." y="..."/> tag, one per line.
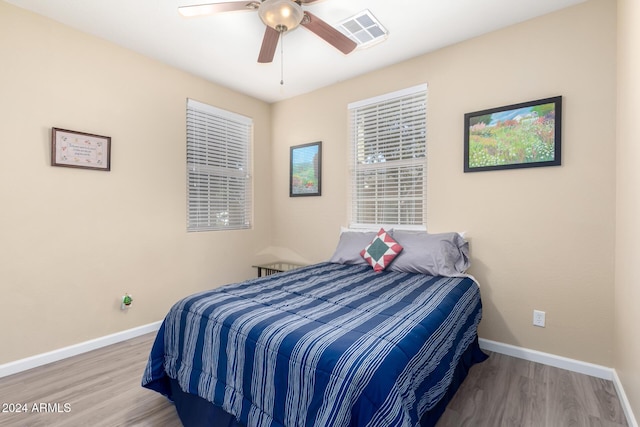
<point x="349" y="246"/>
<point x="443" y="254"/>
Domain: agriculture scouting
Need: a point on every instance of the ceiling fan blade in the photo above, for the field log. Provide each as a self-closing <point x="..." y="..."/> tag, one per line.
<point x="211" y="8"/>
<point x="329" y="34"/>
<point x="269" y="44"/>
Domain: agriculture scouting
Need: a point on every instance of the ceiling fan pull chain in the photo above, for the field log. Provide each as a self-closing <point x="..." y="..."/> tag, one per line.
<point x="281" y="58"/>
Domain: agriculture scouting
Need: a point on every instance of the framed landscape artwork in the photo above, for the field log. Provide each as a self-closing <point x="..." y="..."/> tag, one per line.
<point x="521" y="135"/>
<point x="305" y="170"/>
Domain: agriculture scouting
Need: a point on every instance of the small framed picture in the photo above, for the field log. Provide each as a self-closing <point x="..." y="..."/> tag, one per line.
<point x="521" y="135"/>
<point x="305" y="170"/>
<point x="80" y="150"/>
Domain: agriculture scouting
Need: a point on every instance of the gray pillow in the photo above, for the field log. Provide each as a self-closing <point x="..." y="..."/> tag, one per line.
<point x="350" y="245"/>
<point x="444" y="254"/>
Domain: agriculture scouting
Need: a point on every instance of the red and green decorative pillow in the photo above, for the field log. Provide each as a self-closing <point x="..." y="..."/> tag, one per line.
<point x="381" y="251"/>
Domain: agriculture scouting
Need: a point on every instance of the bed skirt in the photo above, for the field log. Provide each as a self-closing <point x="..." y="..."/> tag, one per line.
<point x="195" y="411"/>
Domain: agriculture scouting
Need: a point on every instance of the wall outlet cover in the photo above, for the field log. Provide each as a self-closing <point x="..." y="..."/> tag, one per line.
<point x="539" y="318"/>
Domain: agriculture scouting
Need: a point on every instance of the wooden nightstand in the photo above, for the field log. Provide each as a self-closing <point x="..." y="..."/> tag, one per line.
<point x="275" y="267"/>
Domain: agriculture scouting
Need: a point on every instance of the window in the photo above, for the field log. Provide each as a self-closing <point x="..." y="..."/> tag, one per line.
<point x="218" y="176"/>
<point x="389" y="158"/>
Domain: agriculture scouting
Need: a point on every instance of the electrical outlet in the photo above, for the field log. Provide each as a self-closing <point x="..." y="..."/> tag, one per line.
<point x="538" y="318"/>
<point x="125" y="301"/>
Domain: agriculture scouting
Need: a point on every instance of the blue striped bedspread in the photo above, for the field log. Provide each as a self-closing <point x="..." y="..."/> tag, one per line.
<point x="326" y="345"/>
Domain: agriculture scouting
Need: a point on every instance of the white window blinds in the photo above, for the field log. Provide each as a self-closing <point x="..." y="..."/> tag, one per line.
<point x="389" y="149"/>
<point x="218" y="169"/>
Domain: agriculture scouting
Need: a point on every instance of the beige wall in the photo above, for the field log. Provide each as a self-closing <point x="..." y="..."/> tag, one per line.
<point x="627" y="290"/>
<point x="73" y="241"/>
<point x="541" y="238"/>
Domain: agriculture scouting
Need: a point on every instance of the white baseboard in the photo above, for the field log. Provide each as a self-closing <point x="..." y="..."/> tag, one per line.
<point x="573" y="365"/>
<point x="597" y="371"/>
<point x="626" y="406"/>
<point x="73" y="350"/>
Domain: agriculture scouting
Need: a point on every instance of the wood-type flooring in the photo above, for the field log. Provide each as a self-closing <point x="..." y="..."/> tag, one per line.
<point x="102" y="388"/>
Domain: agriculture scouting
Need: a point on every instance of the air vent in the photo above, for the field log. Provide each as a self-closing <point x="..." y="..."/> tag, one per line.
<point x="364" y="29"/>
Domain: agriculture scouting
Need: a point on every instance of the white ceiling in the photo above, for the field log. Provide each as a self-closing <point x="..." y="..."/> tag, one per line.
<point x="224" y="48"/>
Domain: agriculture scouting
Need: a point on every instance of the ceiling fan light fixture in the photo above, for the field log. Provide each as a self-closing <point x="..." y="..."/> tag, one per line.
<point x="281" y="15"/>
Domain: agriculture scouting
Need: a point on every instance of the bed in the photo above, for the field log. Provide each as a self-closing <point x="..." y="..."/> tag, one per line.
<point x="330" y="344"/>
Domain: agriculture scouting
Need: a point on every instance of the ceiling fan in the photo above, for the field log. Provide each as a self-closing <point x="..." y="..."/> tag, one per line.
<point x="279" y="16"/>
